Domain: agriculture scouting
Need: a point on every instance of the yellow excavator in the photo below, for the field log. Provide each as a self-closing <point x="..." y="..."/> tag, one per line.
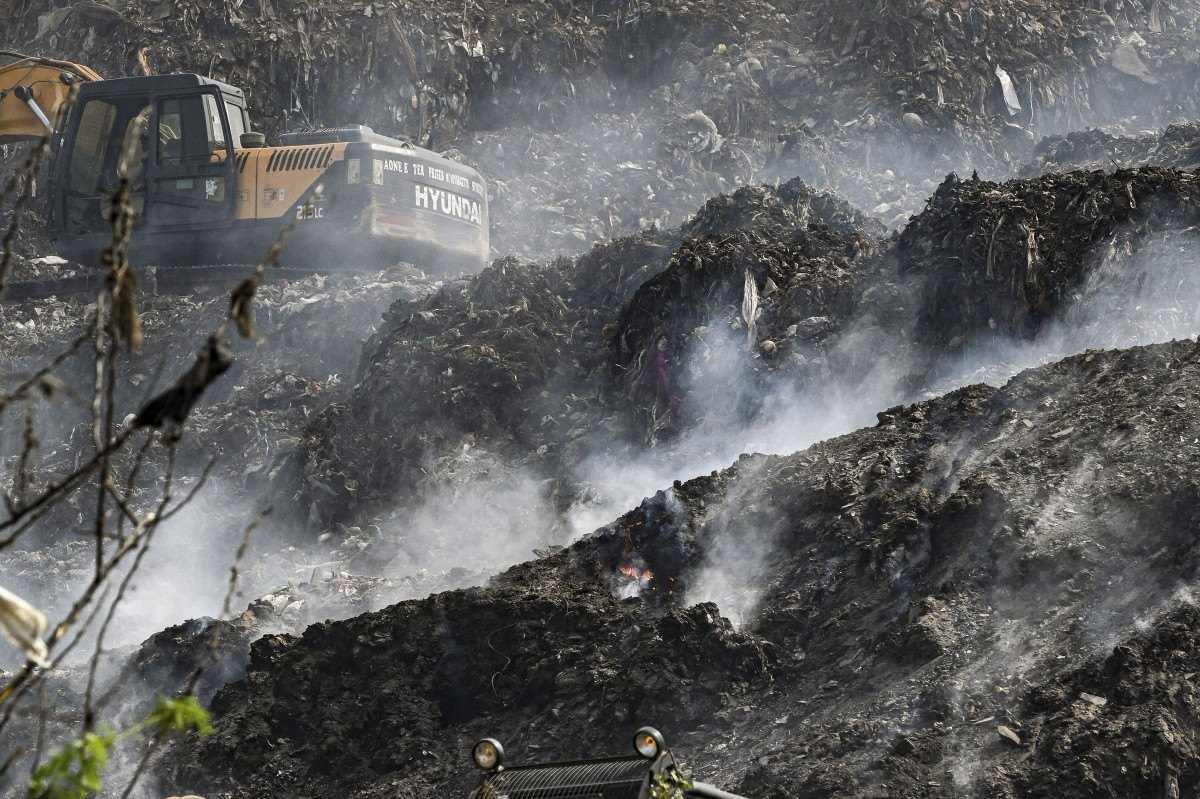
<point x="207" y="190"/>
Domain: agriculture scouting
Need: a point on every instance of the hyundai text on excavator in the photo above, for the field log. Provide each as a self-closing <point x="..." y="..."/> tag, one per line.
<point x="207" y="190"/>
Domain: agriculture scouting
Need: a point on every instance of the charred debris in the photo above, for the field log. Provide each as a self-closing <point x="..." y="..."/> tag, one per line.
<point x="949" y="601"/>
<point x="912" y="605"/>
<point x="892" y="595"/>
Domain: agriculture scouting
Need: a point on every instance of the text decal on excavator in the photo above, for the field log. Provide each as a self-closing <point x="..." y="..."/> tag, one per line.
<point x="448" y="203"/>
<point x="400" y="166"/>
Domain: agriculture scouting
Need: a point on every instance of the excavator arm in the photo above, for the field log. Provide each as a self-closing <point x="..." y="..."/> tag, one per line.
<point x="34" y="91"/>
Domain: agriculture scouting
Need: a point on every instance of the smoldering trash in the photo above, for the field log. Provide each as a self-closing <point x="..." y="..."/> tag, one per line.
<point x="825" y="398"/>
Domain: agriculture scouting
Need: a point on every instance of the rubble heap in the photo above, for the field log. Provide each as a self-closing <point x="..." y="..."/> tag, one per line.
<point x="594" y="120"/>
<point x="1176" y="147"/>
<point x="769" y="271"/>
<point x="1009" y="256"/>
<point x="540" y="365"/>
<point x="929" y="601"/>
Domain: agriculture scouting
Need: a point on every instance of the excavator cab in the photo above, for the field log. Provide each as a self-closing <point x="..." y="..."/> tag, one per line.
<point x="171" y="136"/>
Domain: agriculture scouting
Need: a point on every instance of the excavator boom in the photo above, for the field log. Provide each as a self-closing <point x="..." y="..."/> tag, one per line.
<point x="34" y="91"/>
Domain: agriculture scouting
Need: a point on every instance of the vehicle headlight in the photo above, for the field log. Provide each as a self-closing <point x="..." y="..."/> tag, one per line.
<point x="649" y="743"/>
<point x="488" y="754"/>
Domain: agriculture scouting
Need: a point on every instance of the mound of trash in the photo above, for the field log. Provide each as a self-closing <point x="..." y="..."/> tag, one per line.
<point x="1024" y="60"/>
<point x="765" y="271"/>
<point x="928" y="601"/>
<point x="767" y="291"/>
<point x="595" y="120"/>
<point x="540" y="365"/>
<point x="1009" y="256"/>
<point x="1176" y="147"/>
<point x="505" y="364"/>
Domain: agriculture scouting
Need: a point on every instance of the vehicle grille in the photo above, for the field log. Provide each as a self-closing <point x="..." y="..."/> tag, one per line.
<point x="618" y="778"/>
<point x="290" y="158"/>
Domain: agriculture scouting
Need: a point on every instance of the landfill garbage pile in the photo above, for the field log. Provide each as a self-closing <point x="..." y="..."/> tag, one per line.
<point x="868" y="100"/>
<point x="538" y="366"/>
<point x="561" y="190"/>
<point x="596" y="120"/>
<point x="766" y="291"/>
<point x="771" y="272"/>
<point x="424" y="73"/>
<point x="980" y="594"/>
<point x="482" y="376"/>
<point x="878" y="585"/>
<point x="416" y="70"/>
<point x="205" y="653"/>
<point x="1025" y="60"/>
<point x="1176" y="147"/>
<point x="914" y="88"/>
<point x="1008" y="257"/>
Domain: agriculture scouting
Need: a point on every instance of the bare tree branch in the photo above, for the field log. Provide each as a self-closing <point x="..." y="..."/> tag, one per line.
<point x="155" y="519"/>
<point x="26" y="178"/>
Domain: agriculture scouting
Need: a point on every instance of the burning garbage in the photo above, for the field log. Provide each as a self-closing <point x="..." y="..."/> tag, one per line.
<point x="634" y="577"/>
<point x="701" y="211"/>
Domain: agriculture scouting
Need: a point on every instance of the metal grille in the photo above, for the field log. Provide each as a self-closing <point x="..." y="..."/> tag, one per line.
<point x="300" y="158"/>
<point x="617" y="778"/>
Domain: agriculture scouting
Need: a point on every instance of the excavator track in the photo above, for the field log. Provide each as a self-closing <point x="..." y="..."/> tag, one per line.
<point x="162" y="280"/>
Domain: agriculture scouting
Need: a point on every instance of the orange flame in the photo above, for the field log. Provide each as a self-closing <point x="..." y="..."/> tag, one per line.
<point x="634" y="573"/>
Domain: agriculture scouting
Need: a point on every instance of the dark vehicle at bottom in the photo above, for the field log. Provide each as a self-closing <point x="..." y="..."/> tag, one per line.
<point x="651" y="772"/>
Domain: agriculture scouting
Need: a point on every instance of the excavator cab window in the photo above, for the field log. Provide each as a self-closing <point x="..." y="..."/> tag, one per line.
<point x="109" y="142"/>
<point x="174" y="146"/>
<point x="192" y="179"/>
<point x="185" y="135"/>
<point x="87" y="157"/>
<point x="237" y="122"/>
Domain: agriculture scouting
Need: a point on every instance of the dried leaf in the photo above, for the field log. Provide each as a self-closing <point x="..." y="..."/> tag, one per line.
<point x="174" y="404"/>
<point x="50" y="385"/>
<point x="24" y="625"/>
<point x="241" y="310"/>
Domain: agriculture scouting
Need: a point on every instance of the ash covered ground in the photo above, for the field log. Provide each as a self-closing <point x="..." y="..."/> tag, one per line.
<point x="829" y="403"/>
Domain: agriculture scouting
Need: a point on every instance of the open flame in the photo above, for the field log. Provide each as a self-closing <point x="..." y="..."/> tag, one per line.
<point x="632" y="578"/>
<point x="634" y="573"/>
